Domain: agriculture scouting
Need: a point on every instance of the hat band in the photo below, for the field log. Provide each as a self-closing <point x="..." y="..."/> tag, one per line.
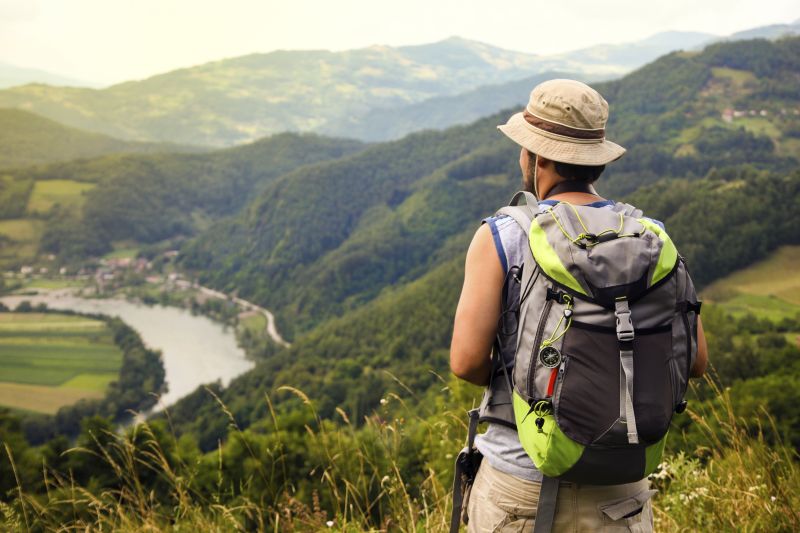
<point x="562" y="130"/>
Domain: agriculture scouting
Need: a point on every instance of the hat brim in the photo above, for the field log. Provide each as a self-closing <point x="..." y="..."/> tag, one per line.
<point x="578" y="153"/>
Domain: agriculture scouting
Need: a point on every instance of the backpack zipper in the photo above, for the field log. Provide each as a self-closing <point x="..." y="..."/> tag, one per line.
<point x="562" y="369"/>
<point x="535" y="350"/>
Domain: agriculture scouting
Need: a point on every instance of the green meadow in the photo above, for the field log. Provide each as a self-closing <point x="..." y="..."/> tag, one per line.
<point x="49" y="193"/>
<point x="768" y="289"/>
<point x="51" y="360"/>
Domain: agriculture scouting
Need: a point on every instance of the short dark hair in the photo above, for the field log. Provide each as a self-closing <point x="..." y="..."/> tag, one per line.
<point x="569" y="171"/>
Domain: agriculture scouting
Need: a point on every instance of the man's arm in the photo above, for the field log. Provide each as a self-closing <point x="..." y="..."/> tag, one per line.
<point x="478" y="310"/>
<point x="701" y="361"/>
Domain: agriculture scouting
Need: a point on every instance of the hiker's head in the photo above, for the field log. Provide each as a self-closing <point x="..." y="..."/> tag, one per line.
<point x="564" y="125"/>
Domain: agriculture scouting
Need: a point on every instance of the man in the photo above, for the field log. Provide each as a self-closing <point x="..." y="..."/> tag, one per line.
<point x="563" y="151"/>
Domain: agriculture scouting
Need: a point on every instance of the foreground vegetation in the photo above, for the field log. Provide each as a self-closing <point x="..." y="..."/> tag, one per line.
<point x="301" y="473"/>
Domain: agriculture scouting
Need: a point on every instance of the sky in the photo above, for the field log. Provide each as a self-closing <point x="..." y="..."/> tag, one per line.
<point x="109" y="41"/>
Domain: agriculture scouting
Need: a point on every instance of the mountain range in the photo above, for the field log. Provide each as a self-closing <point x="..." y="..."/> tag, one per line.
<point x="12" y="75"/>
<point x="374" y="94"/>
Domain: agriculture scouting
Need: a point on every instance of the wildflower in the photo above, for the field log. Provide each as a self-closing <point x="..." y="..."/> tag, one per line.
<point x="383" y="401"/>
<point x="329" y="523"/>
<point x="772" y="498"/>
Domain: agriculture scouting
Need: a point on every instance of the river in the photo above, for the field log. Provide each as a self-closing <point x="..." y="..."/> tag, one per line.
<point x="195" y="349"/>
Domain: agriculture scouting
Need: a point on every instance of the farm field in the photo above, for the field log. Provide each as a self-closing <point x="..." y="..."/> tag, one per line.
<point x="50" y="284"/>
<point x="48" y="193"/>
<point x="768" y="289"/>
<point x="49" y="360"/>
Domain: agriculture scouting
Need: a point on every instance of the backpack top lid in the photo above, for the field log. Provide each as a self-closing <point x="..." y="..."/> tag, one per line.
<point x="601" y="254"/>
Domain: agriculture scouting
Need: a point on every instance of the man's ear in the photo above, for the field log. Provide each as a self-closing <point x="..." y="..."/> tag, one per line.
<point x="542" y="162"/>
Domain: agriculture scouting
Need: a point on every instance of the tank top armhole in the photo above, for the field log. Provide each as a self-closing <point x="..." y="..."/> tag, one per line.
<point x="498" y="243"/>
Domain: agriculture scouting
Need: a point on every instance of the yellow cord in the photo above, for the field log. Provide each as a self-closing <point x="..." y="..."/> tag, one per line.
<point x="553" y="338"/>
<point x="541" y="408"/>
<point x="575" y="240"/>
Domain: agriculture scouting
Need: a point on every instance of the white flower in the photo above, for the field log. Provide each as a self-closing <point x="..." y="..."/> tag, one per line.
<point x="329" y="523"/>
<point x="383" y="401"/>
<point x="772" y="498"/>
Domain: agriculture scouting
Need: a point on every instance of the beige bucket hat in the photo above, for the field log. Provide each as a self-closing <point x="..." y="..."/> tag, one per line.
<point x="564" y="121"/>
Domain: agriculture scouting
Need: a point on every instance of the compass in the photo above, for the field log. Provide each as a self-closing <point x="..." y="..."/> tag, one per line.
<point x="549" y="356"/>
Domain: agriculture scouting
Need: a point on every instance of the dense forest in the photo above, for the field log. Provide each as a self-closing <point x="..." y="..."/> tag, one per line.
<point x="151" y="198"/>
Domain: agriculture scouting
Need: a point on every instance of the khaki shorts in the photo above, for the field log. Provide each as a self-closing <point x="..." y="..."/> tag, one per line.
<point x="505" y="503"/>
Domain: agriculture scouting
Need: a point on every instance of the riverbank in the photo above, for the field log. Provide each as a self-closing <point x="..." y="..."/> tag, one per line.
<point x="195" y="349"/>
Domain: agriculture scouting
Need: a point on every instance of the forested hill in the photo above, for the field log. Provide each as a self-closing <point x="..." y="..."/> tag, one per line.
<point x="380" y="216"/>
<point x="148" y="198"/>
<point x="367" y="280"/>
<point x="29" y="139"/>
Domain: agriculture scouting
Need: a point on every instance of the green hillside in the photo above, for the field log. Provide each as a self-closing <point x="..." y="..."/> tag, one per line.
<point x="29" y="139"/>
<point x="383" y="215"/>
<point x="78" y="208"/>
<point x="768" y="289"/>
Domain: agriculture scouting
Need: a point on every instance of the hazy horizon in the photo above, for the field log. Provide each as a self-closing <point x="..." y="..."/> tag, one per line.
<point x="106" y="42"/>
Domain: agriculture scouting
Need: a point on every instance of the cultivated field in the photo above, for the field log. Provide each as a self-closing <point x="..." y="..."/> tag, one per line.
<point x="768" y="289"/>
<point x="48" y="193"/>
<point x="50" y="360"/>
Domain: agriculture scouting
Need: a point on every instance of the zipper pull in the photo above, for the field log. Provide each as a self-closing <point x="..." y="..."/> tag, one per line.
<point x="540" y="424"/>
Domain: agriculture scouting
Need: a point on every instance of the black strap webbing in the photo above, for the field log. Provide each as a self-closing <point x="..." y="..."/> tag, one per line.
<point x="473" y="428"/>
<point x="462" y="470"/>
<point x="546" y="510"/>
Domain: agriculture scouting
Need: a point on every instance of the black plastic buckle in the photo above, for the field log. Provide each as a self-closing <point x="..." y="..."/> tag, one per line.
<point x="681" y="407"/>
<point x="553" y="294"/>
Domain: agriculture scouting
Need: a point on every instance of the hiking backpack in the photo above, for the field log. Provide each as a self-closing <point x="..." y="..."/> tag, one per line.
<point x="606" y="339"/>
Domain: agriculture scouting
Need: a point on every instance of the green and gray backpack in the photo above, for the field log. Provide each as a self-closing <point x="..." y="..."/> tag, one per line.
<point x="606" y="339"/>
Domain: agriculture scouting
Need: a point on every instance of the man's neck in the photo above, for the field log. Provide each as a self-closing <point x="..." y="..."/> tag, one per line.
<point x="576" y="198"/>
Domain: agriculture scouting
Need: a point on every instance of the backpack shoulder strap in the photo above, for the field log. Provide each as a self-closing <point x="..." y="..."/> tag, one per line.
<point x="628" y="210"/>
<point x="522" y="214"/>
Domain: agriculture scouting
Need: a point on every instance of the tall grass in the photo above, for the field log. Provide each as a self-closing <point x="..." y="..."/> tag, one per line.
<point x="739" y="482"/>
<point x="391" y="473"/>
